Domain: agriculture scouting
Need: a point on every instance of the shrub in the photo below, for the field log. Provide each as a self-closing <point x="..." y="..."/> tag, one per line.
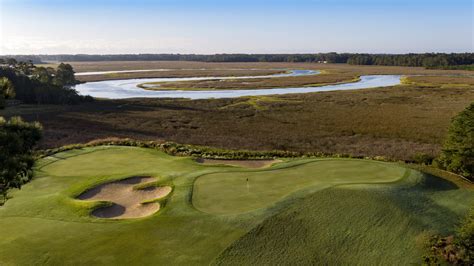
<point x="423" y="158"/>
<point x="457" y="250"/>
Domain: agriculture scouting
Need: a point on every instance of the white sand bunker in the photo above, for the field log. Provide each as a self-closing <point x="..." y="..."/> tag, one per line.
<point x="128" y="200"/>
<point x="241" y="163"/>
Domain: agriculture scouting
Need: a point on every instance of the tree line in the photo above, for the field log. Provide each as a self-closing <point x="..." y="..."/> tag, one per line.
<point x="429" y="60"/>
<point x="321" y="57"/>
<point x="39" y="85"/>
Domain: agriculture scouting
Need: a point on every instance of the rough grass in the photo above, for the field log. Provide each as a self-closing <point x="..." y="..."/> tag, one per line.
<point x="397" y="122"/>
<point x="44" y="224"/>
<point x="178" y="73"/>
<point x="136" y="65"/>
<point x="354" y="225"/>
<point x="132" y="65"/>
<point x="263" y="83"/>
<point x="441" y="81"/>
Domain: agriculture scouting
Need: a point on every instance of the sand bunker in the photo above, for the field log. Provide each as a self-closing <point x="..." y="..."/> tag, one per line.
<point x="241" y="163"/>
<point x="128" y="202"/>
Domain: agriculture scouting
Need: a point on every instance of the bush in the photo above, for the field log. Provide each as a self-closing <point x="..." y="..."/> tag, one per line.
<point x="423" y="158"/>
<point x="457" y="250"/>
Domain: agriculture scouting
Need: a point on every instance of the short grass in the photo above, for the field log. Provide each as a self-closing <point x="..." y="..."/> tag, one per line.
<point x="241" y="191"/>
<point x="43" y="224"/>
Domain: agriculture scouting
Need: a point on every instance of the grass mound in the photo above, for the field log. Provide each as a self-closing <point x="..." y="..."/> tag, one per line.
<point x="353" y="225"/>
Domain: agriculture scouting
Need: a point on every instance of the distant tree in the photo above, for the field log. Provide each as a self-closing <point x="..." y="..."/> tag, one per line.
<point x="7" y="91"/>
<point x="42" y="85"/>
<point x="17" y="139"/>
<point x="458" y="152"/>
<point x="64" y="75"/>
<point x="43" y="75"/>
<point x="11" y="61"/>
<point x="26" y="67"/>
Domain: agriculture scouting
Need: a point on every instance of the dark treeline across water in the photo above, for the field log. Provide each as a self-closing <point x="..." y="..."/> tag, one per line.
<point x="425" y="59"/>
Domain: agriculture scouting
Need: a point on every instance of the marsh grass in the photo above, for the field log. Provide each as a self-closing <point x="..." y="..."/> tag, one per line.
<point x="401" y="122"/>
<point x="265" y="83"/>
<point x="398" y="122"/>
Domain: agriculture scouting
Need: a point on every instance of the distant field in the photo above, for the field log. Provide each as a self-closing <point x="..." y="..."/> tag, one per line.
<point x="382" y="217"/>
<point x="217" y="67"/>
<point x="311" y="80"/>
<point x="131" y="65"/>
<point x="398" y="122"/>
<point x="441" y="81"/>
<point x="178" y="74"/>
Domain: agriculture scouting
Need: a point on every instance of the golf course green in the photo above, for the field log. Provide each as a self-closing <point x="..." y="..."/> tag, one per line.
<point x="240" y="191"/>
<point x="306" y="211"/>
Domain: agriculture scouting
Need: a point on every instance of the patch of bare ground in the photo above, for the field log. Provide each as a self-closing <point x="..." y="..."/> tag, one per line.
<point x="240" y="163"/>
<point x="127" y="200"/>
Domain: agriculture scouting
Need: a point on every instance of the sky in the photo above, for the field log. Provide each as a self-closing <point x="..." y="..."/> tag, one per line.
<point x="231" y="26"/>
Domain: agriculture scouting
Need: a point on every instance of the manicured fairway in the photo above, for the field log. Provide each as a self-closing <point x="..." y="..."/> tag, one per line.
<point x="240" y="191"/>
<point x="306" y="210"/>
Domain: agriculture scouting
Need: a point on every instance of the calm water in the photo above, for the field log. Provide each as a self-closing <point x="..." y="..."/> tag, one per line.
<point x="120" y="89"/>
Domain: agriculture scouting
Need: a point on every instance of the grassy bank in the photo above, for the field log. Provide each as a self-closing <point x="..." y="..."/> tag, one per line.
<point x="384" y="224"/>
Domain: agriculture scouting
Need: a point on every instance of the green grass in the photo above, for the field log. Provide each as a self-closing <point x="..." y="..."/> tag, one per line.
<point x="43" y="224"/>
<point x="229" y="192"/>
<point x="352" y="225"/>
